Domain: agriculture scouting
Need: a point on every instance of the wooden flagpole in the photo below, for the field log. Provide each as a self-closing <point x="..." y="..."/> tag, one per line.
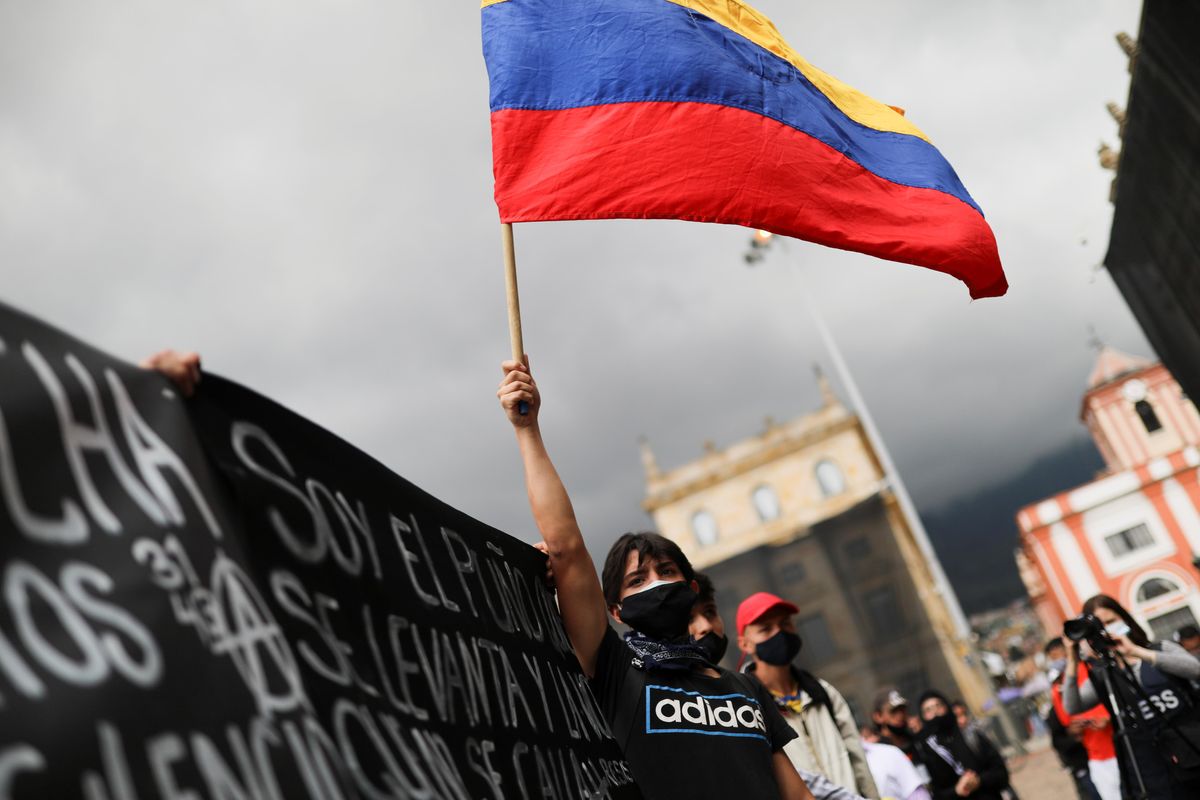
<point x="510" y="286"/>
<point x="514" y="301"/>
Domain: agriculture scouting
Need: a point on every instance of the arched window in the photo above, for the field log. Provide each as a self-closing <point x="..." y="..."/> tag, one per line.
<point x="705" y="528"/>
<point x="766" y="503"/>
<point x="1154" y="595"/>
<point x="1155" y="587"/>
<point x="830" y="478"/>
<point x="1149" y="418"/>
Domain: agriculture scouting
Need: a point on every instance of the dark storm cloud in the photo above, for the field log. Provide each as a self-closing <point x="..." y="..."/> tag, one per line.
<point x="301" y="191"/>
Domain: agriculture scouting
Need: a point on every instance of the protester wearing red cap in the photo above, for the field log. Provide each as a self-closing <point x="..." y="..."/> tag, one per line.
<point x="827" y="736"/>
<point x="707" y="630"/>
<point x="758" y="604"/>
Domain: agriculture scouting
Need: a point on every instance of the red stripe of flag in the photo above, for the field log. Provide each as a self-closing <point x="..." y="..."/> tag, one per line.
<point x="651" y="160"/>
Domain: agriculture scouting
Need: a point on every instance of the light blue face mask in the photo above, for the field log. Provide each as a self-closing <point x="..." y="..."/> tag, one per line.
<point x="1058" y="666"/>
<point x="1116" y="629"/>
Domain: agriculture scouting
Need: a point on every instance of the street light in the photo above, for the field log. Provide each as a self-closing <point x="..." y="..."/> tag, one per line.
<point x="759" y="242"/>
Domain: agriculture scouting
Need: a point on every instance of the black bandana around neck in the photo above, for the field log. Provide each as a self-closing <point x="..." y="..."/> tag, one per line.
<point x="654" y="654"/>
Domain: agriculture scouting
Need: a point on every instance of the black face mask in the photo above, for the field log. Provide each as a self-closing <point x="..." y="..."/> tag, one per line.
<point x="779" y="650"/>
<point x="940" y="726"/>
<point x="660" y="613"/>
<point x="713" y="646"/>
<point x="899" y="731"/>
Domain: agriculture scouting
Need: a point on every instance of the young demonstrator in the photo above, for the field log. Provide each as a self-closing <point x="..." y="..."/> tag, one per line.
<point x="687" y="727"/>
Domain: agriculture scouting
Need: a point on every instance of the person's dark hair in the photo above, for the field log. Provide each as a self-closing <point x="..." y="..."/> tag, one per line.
<point x="1057" y="641"/>
<point x="1136" y="634"/>
<point x="647" y="545"/>
<point x="708" y="592"/>
<point x="959" y="704"/>
<point x="1186" y="632"/>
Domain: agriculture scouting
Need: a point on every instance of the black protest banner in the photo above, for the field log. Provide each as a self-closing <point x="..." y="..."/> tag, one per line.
<point x="215" y="598"/>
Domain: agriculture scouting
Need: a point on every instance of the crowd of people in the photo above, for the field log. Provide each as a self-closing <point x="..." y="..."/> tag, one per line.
<point x="784" y="733"/>
<point x="1126" y="712"/>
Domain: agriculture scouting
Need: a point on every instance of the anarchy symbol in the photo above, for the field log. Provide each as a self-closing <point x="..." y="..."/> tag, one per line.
<point x="245" y="629"/>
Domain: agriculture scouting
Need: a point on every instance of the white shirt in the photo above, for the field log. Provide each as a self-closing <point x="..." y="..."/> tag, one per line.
<point x="894" y="774"/>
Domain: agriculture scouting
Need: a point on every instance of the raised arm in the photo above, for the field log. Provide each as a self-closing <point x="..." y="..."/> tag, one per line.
<point x="1077" y="699"/>
<point x="580" y="599"/>
<point x="1171" y="659"/>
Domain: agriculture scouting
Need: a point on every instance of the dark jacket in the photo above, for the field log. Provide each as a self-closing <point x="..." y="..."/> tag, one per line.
<point x="1071" y="752"/>
<point x="984" y="759"/>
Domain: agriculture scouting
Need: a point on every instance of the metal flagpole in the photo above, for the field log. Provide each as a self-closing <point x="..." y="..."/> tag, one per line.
<point x="942" y="585"/>
<point x="962" y="629"/>
<point x="892" y="475"/>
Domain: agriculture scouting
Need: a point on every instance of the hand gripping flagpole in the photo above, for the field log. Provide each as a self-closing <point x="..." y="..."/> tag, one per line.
<point x="514" y="302"/>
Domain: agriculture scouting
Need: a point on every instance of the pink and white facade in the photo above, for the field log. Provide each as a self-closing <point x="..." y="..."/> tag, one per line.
<point x="1134" y="532"/>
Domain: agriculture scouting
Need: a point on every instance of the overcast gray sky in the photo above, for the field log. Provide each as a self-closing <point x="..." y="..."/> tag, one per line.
<point x="302" y="192"/>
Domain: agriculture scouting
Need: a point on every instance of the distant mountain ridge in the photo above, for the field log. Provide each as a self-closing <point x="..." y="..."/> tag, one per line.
<point x="976" y="535"/>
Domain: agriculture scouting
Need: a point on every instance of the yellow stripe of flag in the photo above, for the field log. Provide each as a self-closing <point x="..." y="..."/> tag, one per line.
<point x="744" y="20"/>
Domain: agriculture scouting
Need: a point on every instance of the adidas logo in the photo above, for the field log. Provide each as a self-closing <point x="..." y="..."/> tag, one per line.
<point x="671" y="710"/>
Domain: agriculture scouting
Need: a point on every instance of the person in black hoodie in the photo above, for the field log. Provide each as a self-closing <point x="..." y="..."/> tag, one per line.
<point x="955" y="769"/>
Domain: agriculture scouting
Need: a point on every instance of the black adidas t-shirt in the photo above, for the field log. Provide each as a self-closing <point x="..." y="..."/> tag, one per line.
<point x="690" y="735"/>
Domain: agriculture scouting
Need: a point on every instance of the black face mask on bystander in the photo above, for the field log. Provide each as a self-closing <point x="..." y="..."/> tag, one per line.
<point x="780" y="649"/>
<point x="940" y="726"/>
<point x="713" y="645"/>
<point x="661" y="611"/>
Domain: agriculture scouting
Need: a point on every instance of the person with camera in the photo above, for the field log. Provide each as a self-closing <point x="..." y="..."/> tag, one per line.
<point x="1146" y="688"/>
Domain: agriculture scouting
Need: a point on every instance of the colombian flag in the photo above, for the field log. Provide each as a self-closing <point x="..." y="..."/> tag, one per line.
<point x="698" y="110"/>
